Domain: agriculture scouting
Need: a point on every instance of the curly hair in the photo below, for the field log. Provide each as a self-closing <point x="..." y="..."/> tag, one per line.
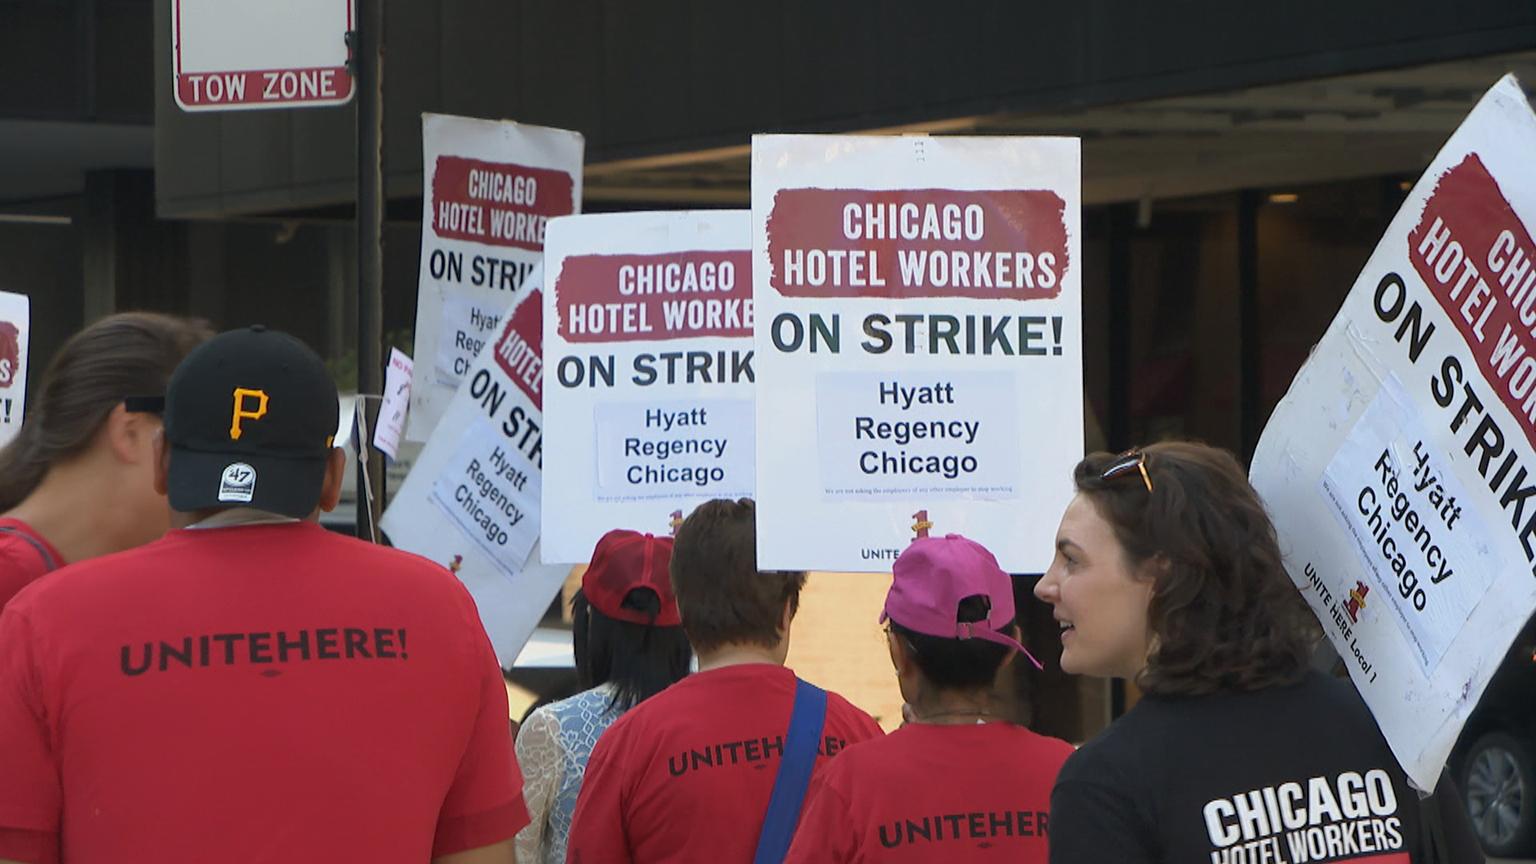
<point x="1224" y="614"/>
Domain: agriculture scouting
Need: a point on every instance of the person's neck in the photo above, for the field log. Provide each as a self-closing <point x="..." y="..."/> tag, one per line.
<point x="955" y="708"/>
<point x="79" y="515"/>
<point x="230" y="517"/>
<point x="738" y="655"/>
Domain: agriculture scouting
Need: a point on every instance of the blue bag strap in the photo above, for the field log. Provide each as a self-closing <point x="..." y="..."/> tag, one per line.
<point x="42" y="550"/>
<point x="805" y="725"/>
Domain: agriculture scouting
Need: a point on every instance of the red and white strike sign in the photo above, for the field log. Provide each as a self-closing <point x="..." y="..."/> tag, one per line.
<point x="231" y="55"/>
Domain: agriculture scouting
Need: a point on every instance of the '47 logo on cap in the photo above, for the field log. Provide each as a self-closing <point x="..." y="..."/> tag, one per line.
<point x="238" y="483"/>
<point x="243" y="411"/>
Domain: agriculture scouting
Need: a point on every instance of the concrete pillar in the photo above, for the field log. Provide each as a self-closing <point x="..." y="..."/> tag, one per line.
<point x="208" y="281"/>
<point x="99" y="244"/>
<point x="341" y="295"/>
<point x="131" y="259"/>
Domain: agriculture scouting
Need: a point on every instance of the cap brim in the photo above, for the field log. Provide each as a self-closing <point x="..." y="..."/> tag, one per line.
<point x="282" y="485"/>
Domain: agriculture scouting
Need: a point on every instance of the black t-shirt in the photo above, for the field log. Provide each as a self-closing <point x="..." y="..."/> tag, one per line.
<point x="1296" y="774"/>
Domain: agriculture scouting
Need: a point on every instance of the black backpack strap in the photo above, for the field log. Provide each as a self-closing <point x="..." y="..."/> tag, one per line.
<point x="42" y="551"/>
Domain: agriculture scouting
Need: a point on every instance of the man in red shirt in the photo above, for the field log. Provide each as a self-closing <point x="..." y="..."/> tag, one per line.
<point x="252" y="687"/>
<point x="687" y="774"/>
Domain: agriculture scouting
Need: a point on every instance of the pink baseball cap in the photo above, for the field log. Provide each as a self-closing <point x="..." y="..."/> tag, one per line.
<point x="931" y="578"/>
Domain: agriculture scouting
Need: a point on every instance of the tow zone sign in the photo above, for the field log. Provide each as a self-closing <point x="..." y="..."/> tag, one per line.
<point x="232" y="55"/>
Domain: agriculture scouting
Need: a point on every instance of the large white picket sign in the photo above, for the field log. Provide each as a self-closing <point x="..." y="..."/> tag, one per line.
<point x="1400" y="467"/>
<point x="648" y="335"/>
<point x="15" y="327"/>
<point x="490" y="187"/>
<point x="471" y="501"/>
<point x="919" y="356"/>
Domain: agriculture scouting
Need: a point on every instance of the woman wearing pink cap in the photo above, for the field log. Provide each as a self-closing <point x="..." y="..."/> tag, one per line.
<point x="629" y="645"/>
<point x="1167" y="573"/>
<point x="957" y="783"/>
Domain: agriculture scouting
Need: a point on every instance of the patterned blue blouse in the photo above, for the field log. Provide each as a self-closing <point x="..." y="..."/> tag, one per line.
<point x="553" y="746"/>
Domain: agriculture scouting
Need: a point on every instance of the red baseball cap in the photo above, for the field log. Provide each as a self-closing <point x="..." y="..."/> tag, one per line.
<point x="623" y="561"/>
<point x="931" y="578"/>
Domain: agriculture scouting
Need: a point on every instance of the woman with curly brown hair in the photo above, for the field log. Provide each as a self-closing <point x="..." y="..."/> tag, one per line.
<point x="1167" y="573"/>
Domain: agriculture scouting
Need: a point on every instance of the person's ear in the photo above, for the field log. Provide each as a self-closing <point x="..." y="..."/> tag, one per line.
<point x="1153" y="570"/>
<point x="335" y="473"/>
<point x="901" y="654"/>
<point x="162" y="463"/>
<point x="787" y="615"/>
<point x="125" y="434"/>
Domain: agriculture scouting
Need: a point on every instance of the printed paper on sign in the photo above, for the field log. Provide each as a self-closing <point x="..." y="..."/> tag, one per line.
<point x="899" y="436"/>
<point x="490" y="191"/>
<point x="471" y="324"/>
<point x="669" y="450"/>
<point x="489" y="497"/>
<point x="1403" y="506"/>
<point x="15" y="324"/>
<point x="397" y="398"/>
<point x="1398" y="469"/>
<point x="917" y="345"/>
<point x="648" y="338"/>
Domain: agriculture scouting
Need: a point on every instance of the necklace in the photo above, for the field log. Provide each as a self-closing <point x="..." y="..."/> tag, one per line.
<point x="980" y="715"/>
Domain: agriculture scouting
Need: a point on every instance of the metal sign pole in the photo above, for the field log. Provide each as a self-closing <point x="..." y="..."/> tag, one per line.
<point x="369" y="63"/>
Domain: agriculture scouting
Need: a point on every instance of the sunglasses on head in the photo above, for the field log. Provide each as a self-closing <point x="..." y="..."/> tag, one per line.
<point x="144" y="404"/>
<point x="1132" y="460"/>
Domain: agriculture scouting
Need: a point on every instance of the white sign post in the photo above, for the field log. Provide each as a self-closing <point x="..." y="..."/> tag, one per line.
<point x="15" y="324"/>
<point x="918" y="332"/>
<point x="230" y="55"/>
<point x="1399" y="468"/>
<point x="471" y="501"/>
<point x="648" y="335"/>
<point x="490" y="189"/>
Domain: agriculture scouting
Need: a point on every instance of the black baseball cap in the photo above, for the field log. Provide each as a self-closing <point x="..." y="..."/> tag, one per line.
<point x="250" y="416"/>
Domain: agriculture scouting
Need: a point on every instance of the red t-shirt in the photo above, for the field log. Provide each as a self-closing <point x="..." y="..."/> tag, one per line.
<point x="254" y="693"/>
<point x="934" y="793"/>
<point x="22" y="558"/>
<point x="686" y="774"/>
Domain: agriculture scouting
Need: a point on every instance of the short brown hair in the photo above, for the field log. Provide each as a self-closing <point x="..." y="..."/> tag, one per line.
<point x="1225" y="614"/>
<point x="724" y="599"/>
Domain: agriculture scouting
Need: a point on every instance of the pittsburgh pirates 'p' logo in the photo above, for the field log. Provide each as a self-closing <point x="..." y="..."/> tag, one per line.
<point x="243" y="411"/>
